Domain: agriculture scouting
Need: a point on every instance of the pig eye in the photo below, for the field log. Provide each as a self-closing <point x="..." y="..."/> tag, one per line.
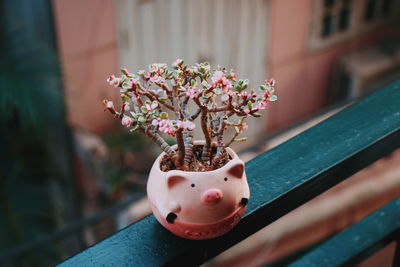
<point x="225" y="179"/>
<point x="192" y="185"/>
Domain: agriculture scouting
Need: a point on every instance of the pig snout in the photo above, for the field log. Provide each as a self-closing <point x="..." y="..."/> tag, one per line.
<point x="211" y="196"/>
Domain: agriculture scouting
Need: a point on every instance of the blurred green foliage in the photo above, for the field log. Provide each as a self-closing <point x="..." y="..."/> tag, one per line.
<point x="35" y="167"/>
<point x="130" y="154"/>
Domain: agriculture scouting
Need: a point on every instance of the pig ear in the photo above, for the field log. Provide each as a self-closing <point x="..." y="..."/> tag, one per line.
<point x="174" y="180"/>
<point x="237" y="170"/>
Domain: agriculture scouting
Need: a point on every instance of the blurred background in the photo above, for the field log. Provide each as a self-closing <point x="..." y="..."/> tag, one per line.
<point x="70" y="175"/>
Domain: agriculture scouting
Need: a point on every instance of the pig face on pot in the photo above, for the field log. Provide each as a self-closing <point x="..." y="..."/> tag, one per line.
<point x="199" y="205"/>
<point x="205" y="197"/>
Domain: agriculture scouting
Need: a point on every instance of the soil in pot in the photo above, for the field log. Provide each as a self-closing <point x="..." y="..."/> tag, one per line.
<point x="197" y="165"/>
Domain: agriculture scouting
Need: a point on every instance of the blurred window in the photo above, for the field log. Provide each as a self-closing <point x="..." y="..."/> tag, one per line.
<point x="374" y="9"/>
<point x="344" y="19"/>
<point x="386" y="7"/>
<point x="327" y="27"/>
<point x="370" y="10"/>
<point x="334" y="21"/>
<point x="336" y="17"/>
<point x="329" y="3"/>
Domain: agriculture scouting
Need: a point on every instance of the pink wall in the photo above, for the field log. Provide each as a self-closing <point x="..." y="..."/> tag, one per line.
<point x="88" y="49"/>
<point x="303" y="76"/>
<point x="86" y="33"/>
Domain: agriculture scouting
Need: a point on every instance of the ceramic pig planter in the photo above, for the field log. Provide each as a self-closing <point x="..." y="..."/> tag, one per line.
<point x="197" y="190"/>
<point x="199" y="205"/>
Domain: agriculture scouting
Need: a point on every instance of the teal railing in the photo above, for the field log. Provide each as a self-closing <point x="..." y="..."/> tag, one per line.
<point x="281" y="180"/>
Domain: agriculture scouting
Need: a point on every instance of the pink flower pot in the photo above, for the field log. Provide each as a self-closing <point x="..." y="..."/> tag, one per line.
<point x="199" y="205"/>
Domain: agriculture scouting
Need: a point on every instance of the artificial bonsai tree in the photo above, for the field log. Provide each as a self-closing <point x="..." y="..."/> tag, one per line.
<point x="163" y="101"/>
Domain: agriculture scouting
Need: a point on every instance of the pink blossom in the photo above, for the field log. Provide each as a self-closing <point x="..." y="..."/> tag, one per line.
<point x="198" y="66"/>
<point x="152" y="106"/>
<point x="126" y="72"/>
<point x="244" y="94"/>
<point x="126" y="121"/>
<point x="262" y="105"/>
<point x="126" y="106"/>
<point x="177" y="62"/>
<point x="267" y="94"/>
<point x="166" y="127"/>
<point x="191" y="92"/>
<point x="156" y="79"/>
<point x="246" y="110"/>
<point x="217" y="77"/>
<point x="157" y="68"/>
<point x="272" y="82"/>
<point x="190" y="70"/>
<point x="187" y="125"/>
<point x="115" y="81"/>
<point x="178" y="123"/>
<point x="190" y="125"/>
<point x="109" y="79"/>
<point x="226" y="83"/>
<point x="232" y="75"/>
<point x="206" y="66"/>
<point x="171" y="126"/>
<point x="110" y="104"/>
<point x="144" y="74"/>
<point x="132" y="83"/>
<point x="244" y="126"/>
<point x="172" y="131"/>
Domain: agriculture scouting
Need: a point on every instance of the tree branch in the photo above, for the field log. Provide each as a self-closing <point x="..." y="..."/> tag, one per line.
<point x="207" y="146"/>
<point x="158" y="140"/>
<point x="219" y="109"/>
<point x="195" y="114"/>
<point x="236" y="132"/>
<point x="188" y="140"/>
<point x="181" y="146"/>
<point x="179" y="137"/>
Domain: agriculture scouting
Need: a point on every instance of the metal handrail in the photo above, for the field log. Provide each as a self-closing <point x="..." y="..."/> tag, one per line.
<point x="280" y="180"/>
